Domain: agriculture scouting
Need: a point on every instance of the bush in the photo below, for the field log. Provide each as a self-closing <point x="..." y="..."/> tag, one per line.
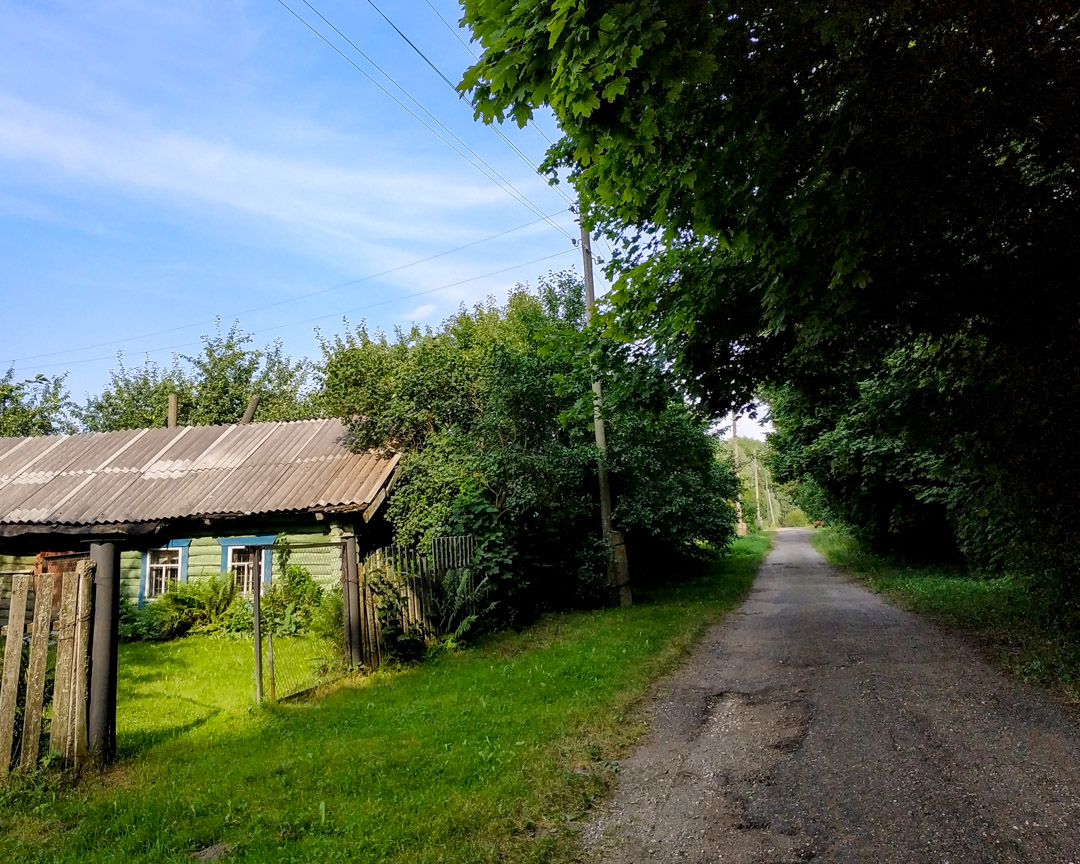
<point x="795" y="519"/>
<point x="194" y="607"/>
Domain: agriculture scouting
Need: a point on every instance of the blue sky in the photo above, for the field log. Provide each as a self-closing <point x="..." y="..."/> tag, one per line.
<point x="165" y="163"/>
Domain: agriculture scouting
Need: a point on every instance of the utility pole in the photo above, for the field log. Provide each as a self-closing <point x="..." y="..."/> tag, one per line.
<point x="740" y="525"/>
<point x="768" y="499"/>
<point x="619" y="569"/>
<point x="757" y="496"/>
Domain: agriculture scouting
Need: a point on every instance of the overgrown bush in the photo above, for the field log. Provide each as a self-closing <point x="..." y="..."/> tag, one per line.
<point x="194" y="607"/>
<point x="493" y="417"/>
<point x="794" y="519"/>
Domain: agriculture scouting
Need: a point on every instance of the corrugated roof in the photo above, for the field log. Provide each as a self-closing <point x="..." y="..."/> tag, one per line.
<point x="150" y="475"/>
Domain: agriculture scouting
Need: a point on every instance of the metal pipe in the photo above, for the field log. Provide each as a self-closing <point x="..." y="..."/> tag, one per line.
<point x="352" y="601"/>
<point x="257" y="626"/>
<point x="252" y="407"/>
<point x="174" y="408"/>
<point x="104" y="653"/>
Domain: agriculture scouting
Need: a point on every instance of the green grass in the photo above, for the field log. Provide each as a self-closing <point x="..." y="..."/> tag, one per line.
<point x="483" y="755"/>
<point x="997" y="610"/>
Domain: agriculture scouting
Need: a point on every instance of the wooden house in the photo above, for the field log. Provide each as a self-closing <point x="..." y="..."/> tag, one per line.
<point x="185" y="503"/>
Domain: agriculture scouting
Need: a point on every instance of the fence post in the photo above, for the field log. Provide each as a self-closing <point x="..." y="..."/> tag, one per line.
<point x="104" y="652"/>
<point x="351" y="601"/>
<point x="256" y="622"/>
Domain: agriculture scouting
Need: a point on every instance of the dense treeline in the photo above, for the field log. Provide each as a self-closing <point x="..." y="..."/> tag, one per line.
<point x="867" y="208"/>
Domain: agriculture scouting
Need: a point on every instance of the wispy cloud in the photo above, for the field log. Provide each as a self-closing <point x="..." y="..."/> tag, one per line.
<point x="179" y="169"/>
<point x="419" y="313"/>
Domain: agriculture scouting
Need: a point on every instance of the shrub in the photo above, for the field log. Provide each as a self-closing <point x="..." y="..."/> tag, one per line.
<point x="192" y="607"/>
<point x="795" y="519"/>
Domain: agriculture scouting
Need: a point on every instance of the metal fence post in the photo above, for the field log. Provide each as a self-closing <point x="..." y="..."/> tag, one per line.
<point x="105" y="654"/>
<point x="257" y="626"/>
<point x="351" y="601"/>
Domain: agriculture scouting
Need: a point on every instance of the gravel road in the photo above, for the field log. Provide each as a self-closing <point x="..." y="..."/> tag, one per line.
<point x="818" y="722"/>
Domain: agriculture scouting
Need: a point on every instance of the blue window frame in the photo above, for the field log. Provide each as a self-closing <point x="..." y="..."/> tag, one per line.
<point x="159" y="566"/>
<point x="232" y="550"/>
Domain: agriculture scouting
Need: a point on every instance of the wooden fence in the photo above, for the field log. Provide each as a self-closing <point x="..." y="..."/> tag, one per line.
<point x="26" y="602"/>
<point x="401" y="582"/>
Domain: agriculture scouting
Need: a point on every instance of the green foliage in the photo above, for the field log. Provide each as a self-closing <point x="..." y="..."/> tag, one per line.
<point x="293" y="601"/>
<point x="870" y="206"/>
<point x="460" y="601"/>
<point x="200" y="606"/>
<point x="794" y="519"/>
<point x="212" y="387"/>
<point x="941" y="450"/>
<point x="38" y="406"/>
<point x="492" y="414"/>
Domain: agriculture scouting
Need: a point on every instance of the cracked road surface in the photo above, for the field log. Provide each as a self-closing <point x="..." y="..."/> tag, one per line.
<point x="818" y="722"/>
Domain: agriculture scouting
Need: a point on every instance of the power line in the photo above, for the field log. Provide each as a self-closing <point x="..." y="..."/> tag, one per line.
<point x="524" y="158"/>
<point x="457" y="35"/>
<point x="412" y="45"/>
<point x="282" y="302"/>
<point x="490" y="172"/>
<point x="317" y="318"/>
<point x="454" y="30"/>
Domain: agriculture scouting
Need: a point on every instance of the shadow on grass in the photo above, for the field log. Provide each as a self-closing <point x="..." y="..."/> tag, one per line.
<point x="132" y="742"/>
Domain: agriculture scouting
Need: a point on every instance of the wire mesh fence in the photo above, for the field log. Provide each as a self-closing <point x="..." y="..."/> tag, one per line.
<point x="301" y="627"/>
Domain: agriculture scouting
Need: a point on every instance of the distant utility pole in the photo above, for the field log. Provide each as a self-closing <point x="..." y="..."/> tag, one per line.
<point x="768" y="499"/>
<point x="740" y="525"/>
<point x="619" y="570"/>
<point x="757" y="496"/>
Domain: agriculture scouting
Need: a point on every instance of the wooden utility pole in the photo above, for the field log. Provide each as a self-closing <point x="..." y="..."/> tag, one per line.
<point x="768" y="500"/>
<point x="740" y="525"/>
<point x="757" y="496"/>
<point x="619" y="570"/>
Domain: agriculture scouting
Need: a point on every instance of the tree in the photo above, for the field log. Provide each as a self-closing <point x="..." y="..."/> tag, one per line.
<point x="797" y="185"/>
<point x="212" y="387"/>
<point x="870" y="206"/>
<point x="491" y="414"/>
<point x="38" y="406"/>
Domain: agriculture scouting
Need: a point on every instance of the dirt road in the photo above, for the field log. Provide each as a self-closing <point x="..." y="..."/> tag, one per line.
<point x="818" y="722"/>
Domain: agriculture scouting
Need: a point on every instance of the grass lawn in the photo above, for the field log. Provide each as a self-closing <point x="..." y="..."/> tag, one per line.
<point x="998" y="611"/>
<point x="479" y="756"/>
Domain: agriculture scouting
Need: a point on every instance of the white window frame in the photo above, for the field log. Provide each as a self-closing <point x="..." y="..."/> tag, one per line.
<point x="246" y="574"/>
<point x="160" y="574"/>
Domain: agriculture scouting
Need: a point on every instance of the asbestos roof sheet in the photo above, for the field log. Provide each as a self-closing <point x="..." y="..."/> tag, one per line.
<point x="149" y="475"/>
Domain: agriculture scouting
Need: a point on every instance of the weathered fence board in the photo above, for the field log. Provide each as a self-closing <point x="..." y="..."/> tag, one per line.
<point x="9" y="684"/>
<point x="67" y="729"/>
<point x="65" y="652"/>
<point x="411" y="578"/>
<point x="35" y="672"/>
<point x="80" y="667"/>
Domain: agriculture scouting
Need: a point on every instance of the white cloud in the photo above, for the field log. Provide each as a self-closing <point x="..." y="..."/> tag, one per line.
<point x="419" y="313"/>
<point x="335" y="200"/>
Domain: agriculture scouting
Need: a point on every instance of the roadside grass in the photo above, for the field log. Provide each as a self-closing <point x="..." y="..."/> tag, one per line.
<point x="998" y="610"/>
<point x="483" y="755"/>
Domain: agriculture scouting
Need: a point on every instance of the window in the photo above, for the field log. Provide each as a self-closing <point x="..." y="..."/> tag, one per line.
<point x="162" y="569"/>
<point x="245" y="563"/>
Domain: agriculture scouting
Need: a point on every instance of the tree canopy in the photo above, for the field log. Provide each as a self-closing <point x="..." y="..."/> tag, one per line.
<point x="870" y="207"/>
<point x="213" y="387"/>
<point x="798" y="184"/>
<point x="492" y="415"/>
<point x="37" y="406"/>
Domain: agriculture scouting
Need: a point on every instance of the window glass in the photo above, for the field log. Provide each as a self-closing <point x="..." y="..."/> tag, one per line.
<point x="163" y="569"/>
<point x="245" y="563"/>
